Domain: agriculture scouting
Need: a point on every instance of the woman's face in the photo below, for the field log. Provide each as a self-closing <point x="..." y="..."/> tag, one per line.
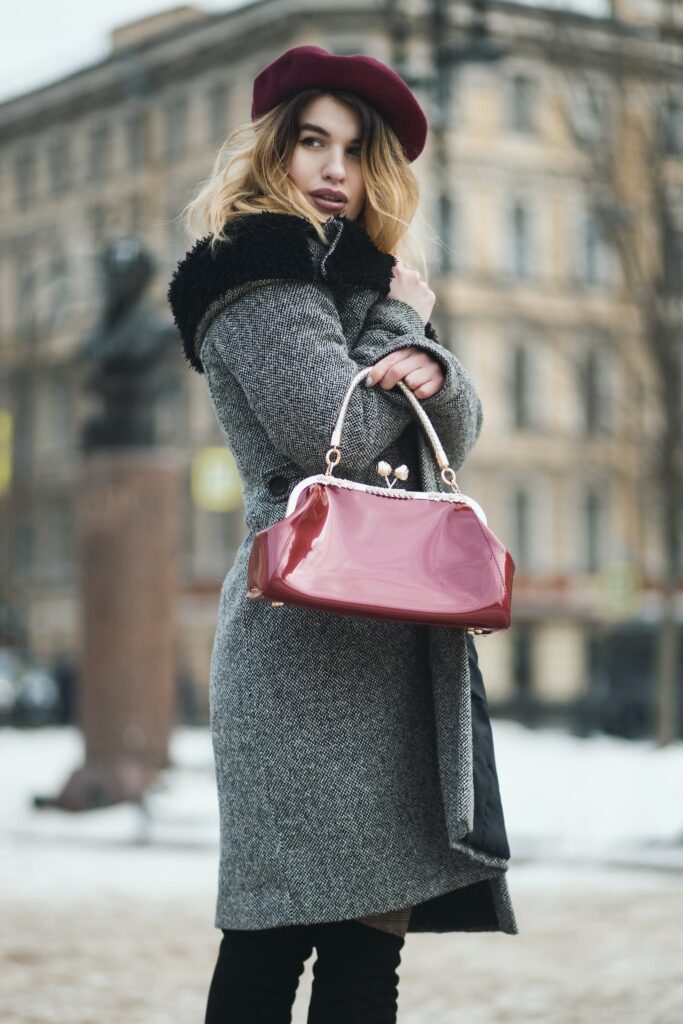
<point x="326" y="157"/>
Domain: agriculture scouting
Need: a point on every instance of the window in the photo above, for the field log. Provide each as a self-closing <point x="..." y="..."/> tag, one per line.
<point x="135" y="214"/>
<point x="447" y="110"/>
<point x="593" y="519"/>
<point x="59" y="538"/>
<point x="218" y="112"/>
<point x="137" y="140"/>
<point x="25" y="178"/>
<point x="519" y="231"/>
<point x="176" y="128"/>
<point x="58" y="158"/>
<point x="591" y="393"/>
<point x="99" y="152"/>
<point x="453" y="77"/>
<point x="24" y="420"/>
<point x="521" y="388"/>
<point x="522" y="658"/>
<point x="594" y="252"/>
<point x="59" y="285"/>
<point x="671" y="126"/>
<point x="521" y="529"/>
<point x="26" y="300"/>
<point x="594" y="391"/>
<point x="447" y="227"/>
<point x="61" y="413"/>
<point x="590" y="113"/>
<point x="594" y="659"/>
<point x="24" y="547"/>
<point x="672" y="242"/>
<point x="521" y="103"/>
<point x="97" y="219"/>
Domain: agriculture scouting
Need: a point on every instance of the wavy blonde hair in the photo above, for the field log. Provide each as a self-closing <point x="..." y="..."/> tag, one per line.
<point x="249" y="175"/>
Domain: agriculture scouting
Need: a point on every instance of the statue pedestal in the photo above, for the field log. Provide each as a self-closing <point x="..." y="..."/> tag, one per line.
<point x="128" y="529"/>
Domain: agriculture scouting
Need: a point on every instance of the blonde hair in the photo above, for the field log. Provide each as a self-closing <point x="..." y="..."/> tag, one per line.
<point x="249" y="175"/>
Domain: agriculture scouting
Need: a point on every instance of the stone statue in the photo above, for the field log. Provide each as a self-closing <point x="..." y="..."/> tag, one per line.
<point x="125" y="351"/>
<point x="128" y="503"/>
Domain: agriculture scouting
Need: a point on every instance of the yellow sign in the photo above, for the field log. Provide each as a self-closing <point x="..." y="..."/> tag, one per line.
<point x="620" y="586"/>
<point x="215" y="481"/>
<point x="5" y="450"/>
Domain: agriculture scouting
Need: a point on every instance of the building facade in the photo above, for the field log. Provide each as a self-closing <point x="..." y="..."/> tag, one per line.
<point x="532" y="296"/>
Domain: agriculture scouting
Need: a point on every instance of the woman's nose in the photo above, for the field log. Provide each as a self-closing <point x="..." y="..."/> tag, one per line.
<point x="336" y="167"/>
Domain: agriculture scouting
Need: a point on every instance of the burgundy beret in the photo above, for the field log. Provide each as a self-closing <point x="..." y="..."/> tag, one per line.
<point x="304" y="66"/>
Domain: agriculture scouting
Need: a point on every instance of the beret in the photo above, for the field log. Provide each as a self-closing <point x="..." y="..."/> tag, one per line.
<point x="304" y="66"/>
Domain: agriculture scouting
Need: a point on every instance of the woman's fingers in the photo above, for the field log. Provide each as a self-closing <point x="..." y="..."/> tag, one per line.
<point x="414" y="367"/>
<point x="426" y="381"/>
<point x="392" y="367"/>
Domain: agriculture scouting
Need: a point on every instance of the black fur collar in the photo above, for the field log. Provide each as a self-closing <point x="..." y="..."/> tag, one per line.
<point x="270" y="245"/>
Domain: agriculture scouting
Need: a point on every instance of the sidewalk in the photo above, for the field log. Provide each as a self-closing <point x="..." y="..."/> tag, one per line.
<point x="108" y="915"/>
<point x="594" y="947"/>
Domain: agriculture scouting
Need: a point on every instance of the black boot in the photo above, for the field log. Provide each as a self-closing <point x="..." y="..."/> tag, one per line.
<point x="257" y="974"/>
<point x="354" y="975"/>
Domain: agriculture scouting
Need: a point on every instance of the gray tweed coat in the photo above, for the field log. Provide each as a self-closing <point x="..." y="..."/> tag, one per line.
<point x="354" y="757"/>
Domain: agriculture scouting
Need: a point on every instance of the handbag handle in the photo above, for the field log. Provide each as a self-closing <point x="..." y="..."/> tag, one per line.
<point x="447" y="473"/>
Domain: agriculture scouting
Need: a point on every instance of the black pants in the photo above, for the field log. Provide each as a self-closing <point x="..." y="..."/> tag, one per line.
<point x="354" y="975"/>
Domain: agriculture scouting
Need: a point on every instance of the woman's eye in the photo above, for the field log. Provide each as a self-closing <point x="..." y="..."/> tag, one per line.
<point x="311" y="138"/>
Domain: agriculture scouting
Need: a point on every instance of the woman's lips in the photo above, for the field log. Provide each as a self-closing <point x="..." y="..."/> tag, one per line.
<point x="328" y="205"/>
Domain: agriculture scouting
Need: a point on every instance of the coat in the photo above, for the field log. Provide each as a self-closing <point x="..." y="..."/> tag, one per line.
<point x="354" y="757"/>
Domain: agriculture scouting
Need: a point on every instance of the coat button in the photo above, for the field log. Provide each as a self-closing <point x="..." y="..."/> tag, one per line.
<point x="278" y="485"/>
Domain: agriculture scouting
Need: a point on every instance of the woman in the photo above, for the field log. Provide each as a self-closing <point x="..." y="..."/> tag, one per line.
<point x="354" y="759"/>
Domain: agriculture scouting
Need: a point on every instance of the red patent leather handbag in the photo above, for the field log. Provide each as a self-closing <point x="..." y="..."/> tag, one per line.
<point x="382" y="552"/>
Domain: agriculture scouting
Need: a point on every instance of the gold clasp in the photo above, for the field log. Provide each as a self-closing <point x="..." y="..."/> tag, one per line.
<point x="448" y="477"/>
<point x="328" y="459"/>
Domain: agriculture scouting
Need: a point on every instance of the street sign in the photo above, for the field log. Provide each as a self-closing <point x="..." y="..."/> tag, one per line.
<point x="5" y="451"/>
<point x="215" y="482"/>
<point x="620" y="589"/>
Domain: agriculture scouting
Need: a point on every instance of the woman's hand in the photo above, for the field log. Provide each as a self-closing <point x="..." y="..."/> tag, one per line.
<point x="418" y="371"/>
<point x="408" y="286"/>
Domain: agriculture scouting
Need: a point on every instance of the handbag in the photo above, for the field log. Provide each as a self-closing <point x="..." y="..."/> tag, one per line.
<point x="384" y="552"/>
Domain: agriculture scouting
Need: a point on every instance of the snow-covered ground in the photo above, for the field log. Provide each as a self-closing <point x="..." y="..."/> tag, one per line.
<point x="108" y="915"/>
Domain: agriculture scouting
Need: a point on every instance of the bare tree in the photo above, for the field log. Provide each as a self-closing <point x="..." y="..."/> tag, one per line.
<point x="630" y="135"/>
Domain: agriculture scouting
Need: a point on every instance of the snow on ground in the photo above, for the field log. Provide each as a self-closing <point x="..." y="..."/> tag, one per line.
<point x="108" y="915"/>
<point x="601" y="798"/>
<point x="598" y="799"/>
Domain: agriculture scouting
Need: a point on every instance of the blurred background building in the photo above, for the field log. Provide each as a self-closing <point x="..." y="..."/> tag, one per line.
<point x="554" y="136"/>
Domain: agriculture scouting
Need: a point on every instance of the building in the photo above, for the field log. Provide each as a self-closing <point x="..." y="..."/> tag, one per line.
<point x="531" y="296"/>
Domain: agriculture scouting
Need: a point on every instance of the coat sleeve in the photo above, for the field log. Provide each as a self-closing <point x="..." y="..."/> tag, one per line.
<point x="455" y="410"/>
<point x="283" y="343"/>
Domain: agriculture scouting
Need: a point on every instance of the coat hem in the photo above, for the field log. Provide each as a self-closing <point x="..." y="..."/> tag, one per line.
<point x="455" y="875"/>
